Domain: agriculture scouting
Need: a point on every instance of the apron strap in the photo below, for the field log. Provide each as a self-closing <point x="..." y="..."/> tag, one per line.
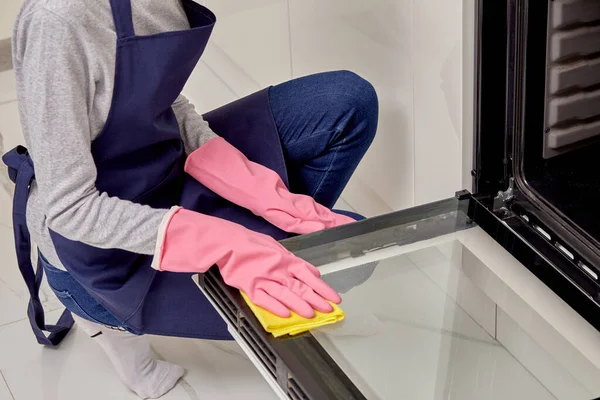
<point x="20" y="167"/>
<point x="121" y="10"/>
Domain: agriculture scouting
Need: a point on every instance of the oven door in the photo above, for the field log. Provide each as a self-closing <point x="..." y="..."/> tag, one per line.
<point x="445" y="300"/>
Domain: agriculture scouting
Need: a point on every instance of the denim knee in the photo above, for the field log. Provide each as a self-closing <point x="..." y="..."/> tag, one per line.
<point x="356" y="93"/>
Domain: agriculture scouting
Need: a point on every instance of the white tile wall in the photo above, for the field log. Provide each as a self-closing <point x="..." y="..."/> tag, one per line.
<point x="206" y="90"/>
<point x="412" y="51"/>
<point x="373" y="39"/>
<point x="417" y="54"/>
<point x="8" y="13"/>
<point x="249" y="48"/>
<point x="437" y="59"/>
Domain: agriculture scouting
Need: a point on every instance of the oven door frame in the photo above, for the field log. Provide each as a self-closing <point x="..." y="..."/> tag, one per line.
<point x="510" y="57"/>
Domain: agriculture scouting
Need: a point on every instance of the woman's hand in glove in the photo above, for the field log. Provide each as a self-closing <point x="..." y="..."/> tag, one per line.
<point x="226" y="171"/>
<point x="271" y="276"/>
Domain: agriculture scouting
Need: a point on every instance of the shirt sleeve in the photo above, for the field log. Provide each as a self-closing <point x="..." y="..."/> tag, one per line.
<point x="54" y="95"/>
<point x="194" y="129"/>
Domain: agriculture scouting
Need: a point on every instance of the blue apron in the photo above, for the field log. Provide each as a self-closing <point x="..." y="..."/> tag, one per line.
<point x="139" y="157"/>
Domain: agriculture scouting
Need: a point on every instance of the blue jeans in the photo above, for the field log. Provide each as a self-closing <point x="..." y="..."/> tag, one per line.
<point x="75" y="298"/>
<point x="326" y="123"/>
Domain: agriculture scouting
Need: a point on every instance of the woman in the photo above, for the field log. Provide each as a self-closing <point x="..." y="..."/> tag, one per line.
<point x="134" y="191"/>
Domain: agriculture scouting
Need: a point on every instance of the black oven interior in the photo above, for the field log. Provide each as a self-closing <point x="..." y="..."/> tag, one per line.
<point x="538" y="113"/>
<point x="561" y="134"/>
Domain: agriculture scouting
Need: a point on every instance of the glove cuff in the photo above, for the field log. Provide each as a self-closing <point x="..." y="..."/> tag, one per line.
<point x="160" y="240"/>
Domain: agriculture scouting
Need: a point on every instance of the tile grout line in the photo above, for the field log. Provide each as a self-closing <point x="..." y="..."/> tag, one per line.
<point x="7" y="387"/>
<point x="26" y="318"/>
<point x="6" y="102"/>
<point x="2" y="326"/>
<point x="227" y="85"/>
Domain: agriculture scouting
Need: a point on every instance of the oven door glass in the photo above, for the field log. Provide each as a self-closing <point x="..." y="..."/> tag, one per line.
<point x="455" y="316"/>
<point x="444" y="301"/>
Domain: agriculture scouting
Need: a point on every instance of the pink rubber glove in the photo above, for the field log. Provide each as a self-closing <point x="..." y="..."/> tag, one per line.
<point x="226" y="171"/>
<point x="271" y="276"/>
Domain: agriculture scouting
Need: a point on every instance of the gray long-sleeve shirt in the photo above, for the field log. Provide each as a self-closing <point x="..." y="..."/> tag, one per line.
<point x="64" y="56"/>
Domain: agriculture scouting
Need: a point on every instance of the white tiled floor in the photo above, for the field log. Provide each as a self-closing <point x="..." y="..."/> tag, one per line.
<point x="79" y="369"/>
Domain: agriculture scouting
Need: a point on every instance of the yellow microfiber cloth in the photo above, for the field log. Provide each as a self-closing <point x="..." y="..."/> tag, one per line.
<point x="295" y="324"/>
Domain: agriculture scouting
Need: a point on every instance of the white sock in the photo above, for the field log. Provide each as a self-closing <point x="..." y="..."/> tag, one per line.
<point x="132" y="357"/>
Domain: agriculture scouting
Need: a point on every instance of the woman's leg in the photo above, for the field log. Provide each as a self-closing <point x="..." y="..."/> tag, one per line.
<point x="326" y="123"/>
<point x="129" y="353"/>
<point x="133" y="360"/>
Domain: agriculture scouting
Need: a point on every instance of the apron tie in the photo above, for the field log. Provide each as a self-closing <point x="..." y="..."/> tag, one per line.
<point x="20" y="171"/>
